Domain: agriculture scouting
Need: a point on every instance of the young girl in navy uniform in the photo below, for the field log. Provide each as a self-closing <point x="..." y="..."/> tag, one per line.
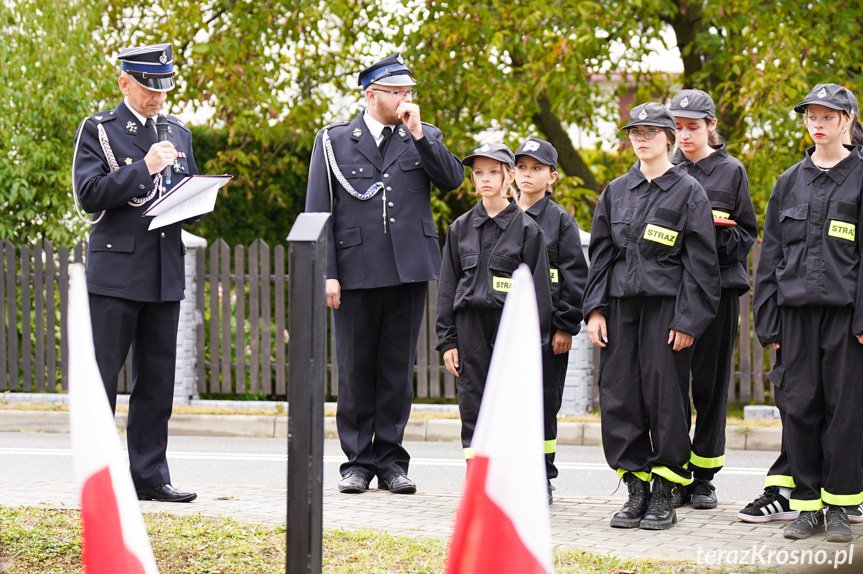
<point x="535" y="175"/>
<point x="703" y="154"/>
<point x="808" y="306"/>
<point x="651" y="290"/>
<point x="483" y="248"/>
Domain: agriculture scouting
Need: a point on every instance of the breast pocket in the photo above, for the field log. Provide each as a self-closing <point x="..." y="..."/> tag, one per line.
<point x="722" y="202"/>
<point x="415" y="178"/>
<point x="662" y="234"/>
<point x="793" y="224"/>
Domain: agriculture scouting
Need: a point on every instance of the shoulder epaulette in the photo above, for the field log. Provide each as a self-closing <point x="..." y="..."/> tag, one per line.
<point x="177" y="122"/>
<point x="336" y="124"/>
<point x="102" y="117"/>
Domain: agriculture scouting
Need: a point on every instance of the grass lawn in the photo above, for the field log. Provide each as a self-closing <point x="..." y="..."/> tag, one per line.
<point x="46" y="541"/>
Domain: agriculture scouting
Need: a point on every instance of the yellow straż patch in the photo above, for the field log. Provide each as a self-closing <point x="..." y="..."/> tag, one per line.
<point x="660" y="234"/>
<point x="553" y="275"/>
<point x="722" y="214"/>
<point x="501" y="284"/>
<point x="842" y="230"/>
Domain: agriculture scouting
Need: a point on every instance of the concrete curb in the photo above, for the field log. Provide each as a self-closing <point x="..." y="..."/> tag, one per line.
<point x="738" y="437"/>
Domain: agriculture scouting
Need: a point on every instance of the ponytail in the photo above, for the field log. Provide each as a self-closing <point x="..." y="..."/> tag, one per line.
<point x="714" y="140"/>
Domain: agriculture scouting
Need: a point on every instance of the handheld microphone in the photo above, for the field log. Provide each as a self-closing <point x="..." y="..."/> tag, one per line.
<point x="162" y="135"/>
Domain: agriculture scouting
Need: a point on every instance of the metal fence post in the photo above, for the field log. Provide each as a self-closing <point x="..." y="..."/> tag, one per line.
<point x="307" y="261"/>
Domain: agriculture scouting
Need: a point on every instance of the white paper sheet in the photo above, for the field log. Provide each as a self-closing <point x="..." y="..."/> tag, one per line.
<point x="195" y="195"/>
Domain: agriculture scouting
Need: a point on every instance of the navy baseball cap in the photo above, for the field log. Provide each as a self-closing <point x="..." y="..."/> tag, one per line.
<point x="495" y="151"/>
<point x="540" y="150"/>
<point x="650" y="114"/>
<point x="694" y="104"/>
<point x="150" y="66"/>
<point x="827" y="95"/>
<point x="391" y="71"/>
<point x="855" y="108"/>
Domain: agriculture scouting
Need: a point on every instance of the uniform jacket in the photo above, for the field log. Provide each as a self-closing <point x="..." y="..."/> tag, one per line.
<point x="566" y="263"/>
<point x="655" y="239"/>
<point x="480" y="254"/>
<point x="124" y="259"/>
<point x="810" y="252"/>
<point x="360" y="254"/>
<point x="724" y="179"/>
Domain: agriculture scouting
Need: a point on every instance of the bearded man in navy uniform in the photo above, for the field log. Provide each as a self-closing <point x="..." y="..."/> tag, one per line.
<point x="374" y="175"/>
<point x="135" y="277"/>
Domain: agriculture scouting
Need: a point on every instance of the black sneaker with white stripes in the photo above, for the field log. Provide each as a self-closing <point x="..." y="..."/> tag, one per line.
<point x="768" y="507"/>
<point x="855" y="513"/>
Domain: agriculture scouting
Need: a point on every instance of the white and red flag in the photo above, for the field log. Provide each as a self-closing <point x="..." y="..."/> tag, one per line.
<point x="503" y="523"/>
<point x="114" y="539"/>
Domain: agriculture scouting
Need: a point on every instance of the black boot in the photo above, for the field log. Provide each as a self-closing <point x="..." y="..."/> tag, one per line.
<point x="660" y="513"/>
<point x="630" y="515"/>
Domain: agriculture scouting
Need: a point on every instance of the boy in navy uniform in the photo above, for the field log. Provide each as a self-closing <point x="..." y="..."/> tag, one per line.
<point x="135" y="277"/>
<point x="374" y="175"/>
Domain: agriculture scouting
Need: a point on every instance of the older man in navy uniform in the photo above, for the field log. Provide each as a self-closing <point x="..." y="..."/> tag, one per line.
<point x="135" y="277"/>
<point x="374" y="174"/>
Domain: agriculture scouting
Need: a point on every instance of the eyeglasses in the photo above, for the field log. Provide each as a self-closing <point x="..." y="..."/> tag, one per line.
<point x="647" y="134"/>
<point x="412" y="93"/>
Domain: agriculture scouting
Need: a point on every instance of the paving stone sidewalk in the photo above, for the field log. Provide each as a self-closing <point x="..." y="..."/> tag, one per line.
<point x="576" y="522"/>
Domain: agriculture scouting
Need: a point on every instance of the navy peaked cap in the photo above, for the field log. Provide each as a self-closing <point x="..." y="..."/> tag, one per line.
<point x="391" y="71"/>
<point x="150" y="66"/>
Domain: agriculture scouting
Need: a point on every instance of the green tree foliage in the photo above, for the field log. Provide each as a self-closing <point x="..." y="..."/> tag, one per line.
<point x="48" y="84"/>
<point x="264" y="77"/>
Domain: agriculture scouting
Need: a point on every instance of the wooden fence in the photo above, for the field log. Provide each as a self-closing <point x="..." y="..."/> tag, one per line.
<point x="241" y="341"/>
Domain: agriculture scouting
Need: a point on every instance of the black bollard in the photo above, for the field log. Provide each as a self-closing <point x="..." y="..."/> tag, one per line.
<point x="307" y="312"/>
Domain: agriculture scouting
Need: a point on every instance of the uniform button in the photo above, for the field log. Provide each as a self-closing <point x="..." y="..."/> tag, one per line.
<point x="392" y="219"/>
<point x="341" y="242"/>
<point x="163" y="235"/>
<point x="386" y="175"/>
<point x="354" y="172"/>
<point x="391" y="204"/>
<point x="109" y="246"/>
<point x="417" y="163"/>
<point x="389" y="189"/>
<point x="140" y="186"/>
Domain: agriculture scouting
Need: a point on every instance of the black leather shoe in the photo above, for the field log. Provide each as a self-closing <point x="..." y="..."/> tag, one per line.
<point x="165" y="493"/>
<point x="397" y="483"/>
<point x="354" y="482"/>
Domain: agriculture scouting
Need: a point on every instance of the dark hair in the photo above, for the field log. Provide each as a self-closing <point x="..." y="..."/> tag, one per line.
<point x="856" y="132"/>
<point x="671" y="134"/>
<point x="713" y="138"/>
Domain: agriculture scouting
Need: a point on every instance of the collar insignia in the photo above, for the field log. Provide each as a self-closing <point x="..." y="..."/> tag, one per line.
<point x="128" y="161"/>
<point x="357" y="132"/>
<point x="402" y="132"/>
<point x="132" y="127"/>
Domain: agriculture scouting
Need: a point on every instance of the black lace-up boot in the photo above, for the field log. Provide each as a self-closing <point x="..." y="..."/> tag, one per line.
<point x="660" y="513"/>
<point x="630" y="515"/>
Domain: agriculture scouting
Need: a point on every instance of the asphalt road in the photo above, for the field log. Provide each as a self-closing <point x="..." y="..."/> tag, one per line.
<point x="435" y="466"/>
